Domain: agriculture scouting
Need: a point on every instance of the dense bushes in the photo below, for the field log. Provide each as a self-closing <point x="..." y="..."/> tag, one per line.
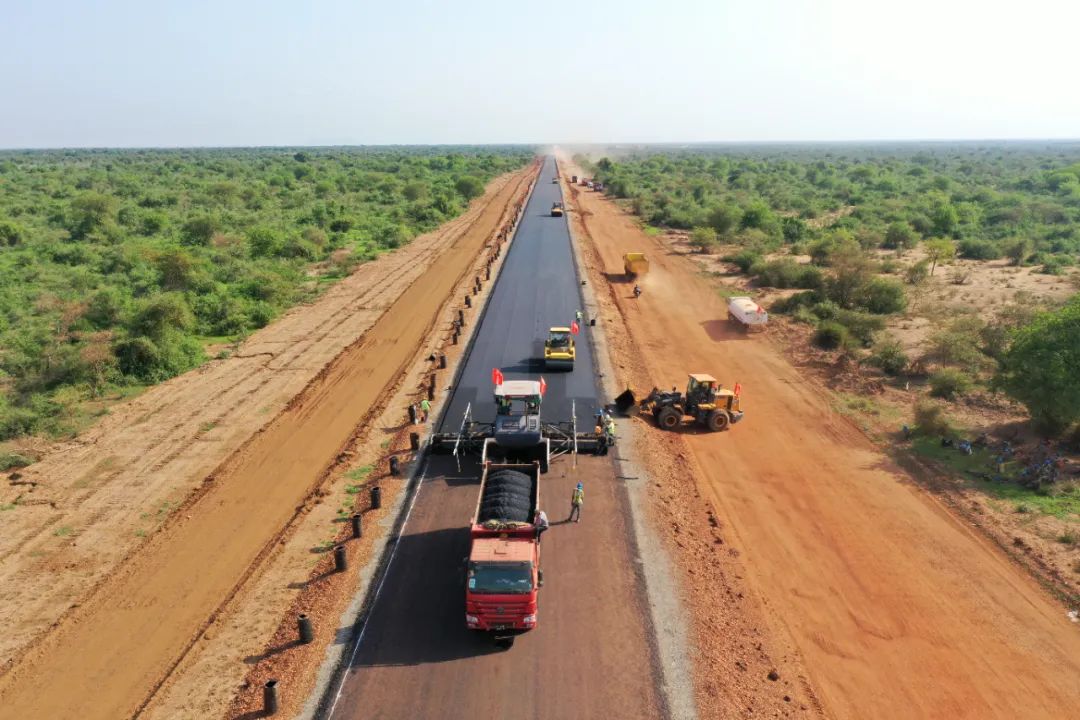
<point x="1042" y="367"/>
<point x="947" y="383"/>
<point x="118" y="267"/>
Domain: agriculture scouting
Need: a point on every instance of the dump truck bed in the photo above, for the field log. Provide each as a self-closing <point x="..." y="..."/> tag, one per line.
<point x="635" y="264"/>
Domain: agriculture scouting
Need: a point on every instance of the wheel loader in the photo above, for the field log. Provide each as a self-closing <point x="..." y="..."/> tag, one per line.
<point x="704" y="403"/>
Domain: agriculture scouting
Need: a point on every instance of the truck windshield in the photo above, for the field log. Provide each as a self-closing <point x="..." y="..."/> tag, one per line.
<point x="500" y="578"/>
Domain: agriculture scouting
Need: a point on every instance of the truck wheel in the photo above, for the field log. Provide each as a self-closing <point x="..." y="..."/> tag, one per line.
<point x="509" y="478"/>
<point x="718" y="420"/>
<point x="669" y="418"/>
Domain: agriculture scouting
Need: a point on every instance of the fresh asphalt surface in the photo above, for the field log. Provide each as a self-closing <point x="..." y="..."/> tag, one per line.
<point x="591" y="654"/>
<point x="537" y="289"/>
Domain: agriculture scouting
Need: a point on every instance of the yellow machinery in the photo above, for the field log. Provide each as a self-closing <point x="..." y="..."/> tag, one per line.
<point x="556" y="209"/>
<point x="635" y="264"/>
<point x="559" y="349"/>
<point x="705" y="403"/>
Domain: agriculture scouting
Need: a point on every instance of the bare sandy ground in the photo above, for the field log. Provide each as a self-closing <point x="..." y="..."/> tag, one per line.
<point x="895" y="607"/>
<point x="74" y="587"/>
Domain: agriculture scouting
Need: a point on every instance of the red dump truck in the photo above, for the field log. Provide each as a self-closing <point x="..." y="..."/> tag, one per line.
<point x="503" y="574"/>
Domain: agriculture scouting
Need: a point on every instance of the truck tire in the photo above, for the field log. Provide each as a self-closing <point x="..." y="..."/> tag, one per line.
<point x="718" y="420"/>
<point x="669" y="418"/>
<point x="510" y="477"/>
<point x="505" y="499"/>
<point x="509" y="513"/>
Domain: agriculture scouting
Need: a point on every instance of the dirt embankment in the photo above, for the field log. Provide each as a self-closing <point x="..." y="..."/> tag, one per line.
<point x="894" y="607"/>
<point x="121" y="619"/>
<point x="741" y="668"/>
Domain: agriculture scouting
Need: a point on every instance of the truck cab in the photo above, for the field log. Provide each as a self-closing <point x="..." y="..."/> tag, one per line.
<point x="559" y="350"/>
<point x="503" y="575"/>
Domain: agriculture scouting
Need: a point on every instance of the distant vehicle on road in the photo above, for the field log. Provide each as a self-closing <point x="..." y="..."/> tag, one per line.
<point x="557" y="209"/>
<point x="503" y="575"/>
<point x="554" y="181"/>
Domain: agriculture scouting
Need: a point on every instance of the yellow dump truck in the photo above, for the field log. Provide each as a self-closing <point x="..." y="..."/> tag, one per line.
<point x="559" y="349"/>
<point x="635" y="264"/>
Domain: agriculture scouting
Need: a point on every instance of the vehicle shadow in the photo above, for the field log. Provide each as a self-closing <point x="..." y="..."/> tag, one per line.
<point x="722" y="330"/>
<point x="420" y="615"/>
<point x="617" y="278"/>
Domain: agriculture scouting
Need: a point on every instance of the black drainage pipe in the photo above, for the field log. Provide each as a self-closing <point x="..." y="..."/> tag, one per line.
<point x="303" y="625"/>
<point x="412" y="413"/>
<point x="270" y="705"/>
<point x="442" y="362"/>
<point x="357" y="525"/>
<point x="414" y="441"/>
<point x="341" y="560"/>
<point x="376" y="497"/>
<point x="394" y="468"/>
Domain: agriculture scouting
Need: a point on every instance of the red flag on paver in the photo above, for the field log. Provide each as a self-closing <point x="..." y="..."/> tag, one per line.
<point x="574" y="328"/>
<point x="496" y="376"/>
<point x="738" y="389"/>
<point x="543" y="385"/>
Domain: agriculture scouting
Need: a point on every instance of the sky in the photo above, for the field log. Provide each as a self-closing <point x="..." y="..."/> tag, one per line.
<point x="150" y="73"/>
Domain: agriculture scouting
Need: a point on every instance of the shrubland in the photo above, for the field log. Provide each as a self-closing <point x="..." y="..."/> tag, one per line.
<point x="120" y="268"/>
<point x="853" y="235"/>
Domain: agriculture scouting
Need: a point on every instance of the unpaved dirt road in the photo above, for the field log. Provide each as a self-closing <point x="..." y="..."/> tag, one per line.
<point x="105" y="657"/>
<point x="897" y="608"/>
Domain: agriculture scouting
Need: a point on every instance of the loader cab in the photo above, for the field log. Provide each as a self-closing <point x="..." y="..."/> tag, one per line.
<point x="706" y="393"/>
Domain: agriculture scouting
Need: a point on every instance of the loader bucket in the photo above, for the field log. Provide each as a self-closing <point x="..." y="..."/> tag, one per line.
<point x="626" y="403"/>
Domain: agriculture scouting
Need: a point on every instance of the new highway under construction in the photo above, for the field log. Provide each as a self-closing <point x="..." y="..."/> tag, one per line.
<point x="593" y="651"/>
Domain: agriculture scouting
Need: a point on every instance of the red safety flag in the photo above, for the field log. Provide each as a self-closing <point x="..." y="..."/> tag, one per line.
<point x="738" y="389"/>
<point x="574" y="328"/>
<point x="543" y="385"/>
<point x="496" y="376"/>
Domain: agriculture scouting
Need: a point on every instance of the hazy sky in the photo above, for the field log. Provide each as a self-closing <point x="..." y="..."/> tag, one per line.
<point x="286" y="72"/>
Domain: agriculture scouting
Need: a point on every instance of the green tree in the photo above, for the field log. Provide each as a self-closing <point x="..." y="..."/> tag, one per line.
<point x="91" y="211"/>
<point x="703" y="239"/>
<point x="901" y="236"/>
<point x="944" y="218"/>
<point x="469" y="187"/>
<point x="199" y="230"/>
<point x="1018" y="250"/>
<point x="11" y="234"/>
<point x="939" y="250"/>
<point x="1042" y="367"/>
<point x="723" y="219"/>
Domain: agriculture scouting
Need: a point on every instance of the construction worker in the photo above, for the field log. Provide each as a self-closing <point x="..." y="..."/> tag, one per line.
<point x="579" y="315"/>
<point x="542" y="524"/>
<point x="576" y="501"/>
<point x="610" y="429"/>
<point x="601" y="439"/>
<point x="425" y="408"/>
